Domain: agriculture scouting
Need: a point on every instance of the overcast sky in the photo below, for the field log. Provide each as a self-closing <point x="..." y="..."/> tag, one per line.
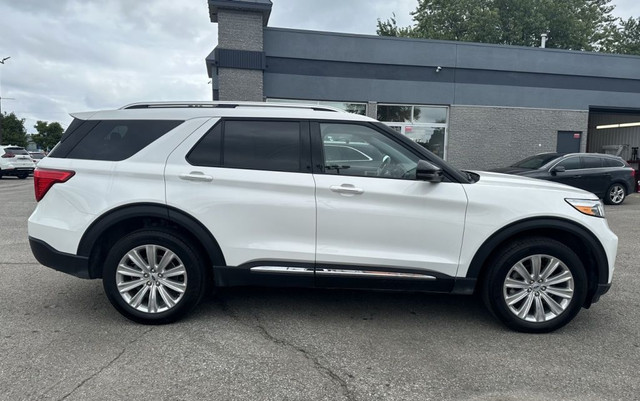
<point x="79" y="55"/>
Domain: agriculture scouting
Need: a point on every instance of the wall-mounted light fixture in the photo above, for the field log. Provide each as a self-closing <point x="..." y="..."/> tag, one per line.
<point x="622" y="125"/>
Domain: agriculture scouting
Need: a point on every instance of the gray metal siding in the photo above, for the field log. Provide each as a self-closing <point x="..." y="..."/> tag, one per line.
<point x="613" y="136"/>
<point x="329" y="66"/>
<point x="314" y="45"/>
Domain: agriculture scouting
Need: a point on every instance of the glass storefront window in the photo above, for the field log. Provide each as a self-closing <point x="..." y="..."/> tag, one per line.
<point x="423" y="114"/>
<point x="431" y="138"/>
<point x="396" y="114"/>
<point x="426" y="125"/>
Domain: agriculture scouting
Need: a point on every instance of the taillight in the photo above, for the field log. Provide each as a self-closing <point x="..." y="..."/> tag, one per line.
<point x="44" y="179"/>
<point x="7" y="155"/>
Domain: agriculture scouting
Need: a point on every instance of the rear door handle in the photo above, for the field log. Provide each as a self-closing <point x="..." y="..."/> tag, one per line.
<point x="196" y="176"/>
<point x="347" y="189"/>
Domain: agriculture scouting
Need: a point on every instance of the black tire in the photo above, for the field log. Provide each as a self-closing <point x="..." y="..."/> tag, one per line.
<point x="194" y="277"/>
<point x="23" y="176"/>
<point x="495" y="291"/>
<point x="616" y="194"/>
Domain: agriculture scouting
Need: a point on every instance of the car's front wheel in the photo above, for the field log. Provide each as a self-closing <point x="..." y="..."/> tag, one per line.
<point x="535" y="285"/>
<point x="615" y="194"/>
<point x="153" y="277"/>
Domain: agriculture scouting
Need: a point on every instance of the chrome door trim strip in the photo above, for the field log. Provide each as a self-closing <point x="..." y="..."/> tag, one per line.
<point x="372" y="273"/>
<point x="282" y="270"/>
<point x="340" y="272"/>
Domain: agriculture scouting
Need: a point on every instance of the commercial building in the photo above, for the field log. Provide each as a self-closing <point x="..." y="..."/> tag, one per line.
<point x="477" y="105"/>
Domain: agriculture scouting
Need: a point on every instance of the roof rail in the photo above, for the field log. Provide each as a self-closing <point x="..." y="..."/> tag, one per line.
<point x="226" y="105"/>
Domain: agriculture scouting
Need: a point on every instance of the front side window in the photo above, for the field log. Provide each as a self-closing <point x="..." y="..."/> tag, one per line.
<point x="356" y="150"/>
<point x="572" y="163"/>
<point x="255" y="145"/>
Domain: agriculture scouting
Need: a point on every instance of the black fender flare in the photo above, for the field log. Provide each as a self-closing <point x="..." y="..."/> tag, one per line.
<point x="532" y="224"/>
<point x="142" y="210"/>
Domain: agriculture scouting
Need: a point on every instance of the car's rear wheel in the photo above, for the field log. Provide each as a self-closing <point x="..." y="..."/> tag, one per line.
<point x="153" y="277"/>
<point x="23" y="176"/>
<point x="535" y="285"/>
<point x="615" y="194"/>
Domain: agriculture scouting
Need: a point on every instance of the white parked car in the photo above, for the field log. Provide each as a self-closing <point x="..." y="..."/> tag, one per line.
<point x="15" y="161"/>
<point x="162" y="201"/>
<point x="37" y="156"/>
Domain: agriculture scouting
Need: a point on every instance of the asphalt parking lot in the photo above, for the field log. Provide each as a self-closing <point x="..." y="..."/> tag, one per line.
<point x="60" y="339"/>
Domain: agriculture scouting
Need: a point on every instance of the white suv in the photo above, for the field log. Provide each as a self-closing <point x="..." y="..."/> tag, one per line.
<point x="165" y="200"/>
<point x="15" y="161"/>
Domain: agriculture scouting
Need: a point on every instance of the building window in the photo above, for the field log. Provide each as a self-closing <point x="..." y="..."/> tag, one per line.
<point x="426" y="125"/>
<point x="350" y="107"/>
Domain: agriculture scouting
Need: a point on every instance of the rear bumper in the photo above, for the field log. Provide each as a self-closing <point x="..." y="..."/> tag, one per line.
<point x="17" y="171"/>
<point x="71" y="264"/>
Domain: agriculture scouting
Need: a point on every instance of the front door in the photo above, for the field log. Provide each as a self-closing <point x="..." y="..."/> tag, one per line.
<point x="377" y="226"/>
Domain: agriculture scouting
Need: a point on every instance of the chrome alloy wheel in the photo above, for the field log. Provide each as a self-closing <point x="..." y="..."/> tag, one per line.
<point x="151" y="278"/>
<point x="616" y="194"/>
<point x="538" y="288"/>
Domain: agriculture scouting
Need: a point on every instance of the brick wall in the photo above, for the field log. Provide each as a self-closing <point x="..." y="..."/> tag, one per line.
<point x="240" y="30"/>
<point x="482" y="138"/>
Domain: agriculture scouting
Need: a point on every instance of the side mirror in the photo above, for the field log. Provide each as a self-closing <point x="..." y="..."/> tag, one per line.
<point x="426" y="171"/>
<point x="558" y="169"/>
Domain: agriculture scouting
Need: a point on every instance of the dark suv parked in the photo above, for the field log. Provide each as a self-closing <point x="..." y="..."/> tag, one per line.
<point x="609" y="177"/>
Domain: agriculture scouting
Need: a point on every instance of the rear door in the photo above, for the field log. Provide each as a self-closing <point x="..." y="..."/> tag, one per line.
<point x="594" y="177"/>
<point x="378" y="226"/>
<point x="250" y="183"/>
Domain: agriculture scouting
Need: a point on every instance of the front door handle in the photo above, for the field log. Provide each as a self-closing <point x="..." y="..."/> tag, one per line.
<point x="196" y="176"/>
<point x="346" y="189"/>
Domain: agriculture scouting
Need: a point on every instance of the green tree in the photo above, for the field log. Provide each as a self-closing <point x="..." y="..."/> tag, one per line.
<point x="48" y="135"/>
<point x="571" y="24"/>
<point x="625" y="39"/>
<point x="13" y="131"/>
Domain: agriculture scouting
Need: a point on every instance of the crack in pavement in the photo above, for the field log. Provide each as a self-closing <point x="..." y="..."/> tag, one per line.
<point x="285" y="344"/>
<point x="82" y="383"/>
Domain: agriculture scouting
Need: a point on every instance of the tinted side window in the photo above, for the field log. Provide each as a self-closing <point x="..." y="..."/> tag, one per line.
<point x="262" y="145"/>
<point x="208" y="152"/>
<point x="115" y="140"/>
<point x="591" y="162"/>
<point x="571" y="163"/>
<point x="74" y="134"/>
<point x="606" y="162"/>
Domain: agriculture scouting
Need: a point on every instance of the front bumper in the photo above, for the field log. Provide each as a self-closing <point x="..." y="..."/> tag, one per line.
<point x="64" y="262"/>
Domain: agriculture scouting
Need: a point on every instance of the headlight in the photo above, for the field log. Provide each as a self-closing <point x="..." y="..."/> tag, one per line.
<point x="588" y="207"/>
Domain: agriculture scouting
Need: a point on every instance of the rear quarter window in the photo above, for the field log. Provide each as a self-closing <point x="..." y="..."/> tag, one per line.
<point x="111" y="140"/>
<point x="606" y="162"/>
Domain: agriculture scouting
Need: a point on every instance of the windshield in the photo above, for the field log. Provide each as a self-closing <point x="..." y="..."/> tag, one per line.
<point x="535" y="162"/>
